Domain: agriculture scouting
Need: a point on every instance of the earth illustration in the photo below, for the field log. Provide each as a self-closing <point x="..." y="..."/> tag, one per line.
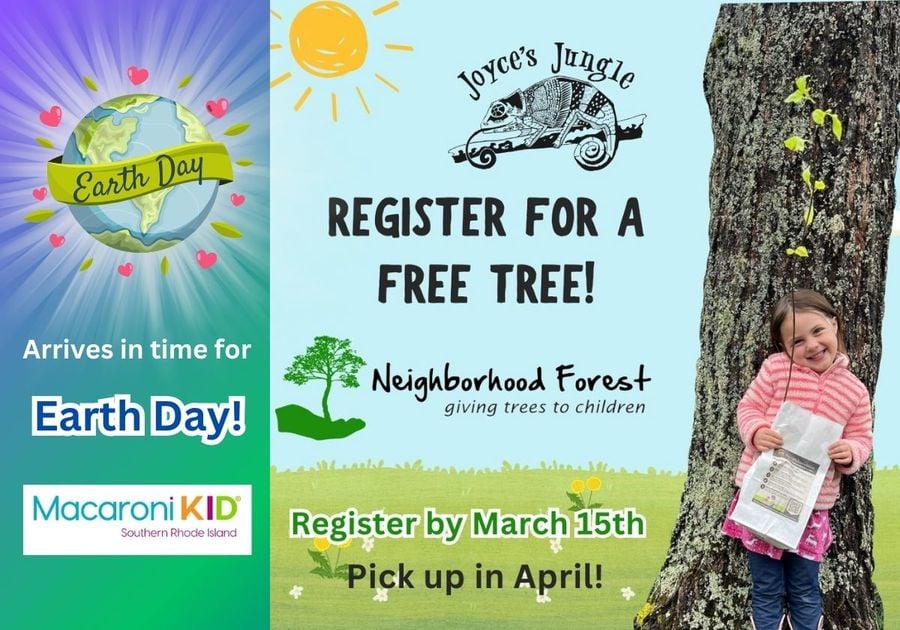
<point x="129" y="127"/>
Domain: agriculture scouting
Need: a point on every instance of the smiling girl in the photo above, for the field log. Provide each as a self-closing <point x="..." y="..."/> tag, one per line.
<point x="809" y="368"/>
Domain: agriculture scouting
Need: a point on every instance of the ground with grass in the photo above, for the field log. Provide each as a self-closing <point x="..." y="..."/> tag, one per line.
<point x="628" y="565"/>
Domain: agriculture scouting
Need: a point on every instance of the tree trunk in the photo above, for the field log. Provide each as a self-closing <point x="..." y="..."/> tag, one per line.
<point x="325" y="412"/>
<point x="757" y="200"/>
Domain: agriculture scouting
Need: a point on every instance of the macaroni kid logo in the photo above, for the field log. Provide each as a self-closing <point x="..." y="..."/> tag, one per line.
<point x="136" y="520"/>
<point x="209" y="507"/>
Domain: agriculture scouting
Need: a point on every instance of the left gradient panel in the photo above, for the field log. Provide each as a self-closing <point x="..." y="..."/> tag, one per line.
<point x="134" y="248"/>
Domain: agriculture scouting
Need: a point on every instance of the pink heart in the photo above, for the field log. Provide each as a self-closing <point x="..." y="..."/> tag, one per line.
<point x="217" y="108"/>
<point x="57" y="240"/>
<point x="52" y="116"/>
<point x="137" y="75"/>
<point x="237" y="199"/>
<point x="39" y="193"/>
<point x="206" y="259"/>
<point x="126" y="269"/>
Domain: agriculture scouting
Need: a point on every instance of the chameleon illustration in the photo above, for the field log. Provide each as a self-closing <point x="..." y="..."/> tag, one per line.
<point x="553" y="112"/>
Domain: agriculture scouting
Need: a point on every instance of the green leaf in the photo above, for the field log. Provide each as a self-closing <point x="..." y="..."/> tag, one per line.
<point x="836" y="127"/>
<point x="795" y="143"/>
<point x="575" y="508"/>
<point x="238" y="129"/>
<point x="801" y="93"/>
<point x="342" y="571"/>
<point x="818" y="116"/>
<point x="244" y="162"/>
<point x="594" y="506"/>
<point x="819" y="185"/>
<point x="576" y="499"/>
<point x="799" y="251"/>
<point x="164" y="266"/>
<point x="39" y="216"/>
<point x="226" y="229"/>
<point x="89" y="83"/>
<point x="807" y="176"/>
<point x="86" y="264"/>
<point x="184" y="82"/>
<point x="44" y="143"/>
<point x="808" y="216"/>
<point x="322" y="572"/>
<point x="320" y="558"/>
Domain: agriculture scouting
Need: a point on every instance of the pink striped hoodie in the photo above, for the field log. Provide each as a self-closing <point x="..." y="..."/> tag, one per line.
<point x="835" y="394"/>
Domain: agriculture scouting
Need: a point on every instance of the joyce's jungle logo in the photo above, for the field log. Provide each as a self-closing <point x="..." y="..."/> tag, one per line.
<point x="556" y="111"/>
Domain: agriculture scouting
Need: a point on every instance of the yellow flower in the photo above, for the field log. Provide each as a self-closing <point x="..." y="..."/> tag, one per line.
<point x="645" y="610"/>
<point x="577" y="486"/>
<point x="594" y="484"/>
<point x="321" y="544"/>
<point x="346" y="543"/>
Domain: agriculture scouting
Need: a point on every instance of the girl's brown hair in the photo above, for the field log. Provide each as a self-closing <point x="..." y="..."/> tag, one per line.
<point x="803" y="300"/>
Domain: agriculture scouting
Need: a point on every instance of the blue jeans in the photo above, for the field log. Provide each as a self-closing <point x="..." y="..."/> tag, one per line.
<point x="792" y="578"/>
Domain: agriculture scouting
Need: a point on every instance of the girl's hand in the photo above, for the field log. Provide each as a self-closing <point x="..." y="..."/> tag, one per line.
<point x="765" y="438"/>
<point x="841" y="453"/>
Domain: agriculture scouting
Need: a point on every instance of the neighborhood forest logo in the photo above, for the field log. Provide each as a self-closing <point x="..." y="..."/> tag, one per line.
<point x="556" y="111"/>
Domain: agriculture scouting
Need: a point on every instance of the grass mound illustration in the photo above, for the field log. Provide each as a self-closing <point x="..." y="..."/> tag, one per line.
<point x="302" y="421"/>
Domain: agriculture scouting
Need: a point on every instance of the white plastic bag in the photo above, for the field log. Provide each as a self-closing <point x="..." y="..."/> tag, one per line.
<point x="779" y="490"/>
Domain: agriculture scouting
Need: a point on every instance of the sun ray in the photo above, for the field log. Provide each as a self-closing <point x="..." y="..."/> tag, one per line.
<point x="278" y="81"/>
<point x="311" y="24"/>
<point x="302" y="98"/>
<point x="386" y="82"/>
<point x="386" y="8"/>
<point x="362" y="99"/>
<point x="274" y="14"/>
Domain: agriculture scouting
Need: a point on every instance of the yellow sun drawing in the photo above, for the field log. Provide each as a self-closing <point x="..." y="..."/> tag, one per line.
<point x="328" y="40"/>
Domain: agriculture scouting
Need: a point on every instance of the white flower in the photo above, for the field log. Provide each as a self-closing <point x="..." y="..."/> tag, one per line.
<point x="627" y="593"/>
<point x="367" y="543"/>
<point x="296" y="592"/>
<point x="543" y="598"/>
<point x="381" y="595"/>
<point x="556" y="545"/>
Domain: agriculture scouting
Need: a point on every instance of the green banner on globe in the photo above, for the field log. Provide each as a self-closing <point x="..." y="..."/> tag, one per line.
<point x="93" y="184"/>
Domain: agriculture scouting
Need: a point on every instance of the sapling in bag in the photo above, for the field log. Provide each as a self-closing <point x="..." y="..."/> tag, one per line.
<point x="780" y="488"/>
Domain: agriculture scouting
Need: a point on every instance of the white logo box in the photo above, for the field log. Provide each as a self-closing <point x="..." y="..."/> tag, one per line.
<point x="137" y="520"/>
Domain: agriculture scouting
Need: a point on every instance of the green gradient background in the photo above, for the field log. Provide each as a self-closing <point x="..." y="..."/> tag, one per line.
<point x="136" y="591"/>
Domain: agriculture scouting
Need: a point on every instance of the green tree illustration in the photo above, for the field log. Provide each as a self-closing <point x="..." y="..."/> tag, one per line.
<point x="330" y="360"/>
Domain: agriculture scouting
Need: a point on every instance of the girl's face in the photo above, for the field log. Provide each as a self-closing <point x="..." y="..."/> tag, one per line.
<point x="813" y="341"/>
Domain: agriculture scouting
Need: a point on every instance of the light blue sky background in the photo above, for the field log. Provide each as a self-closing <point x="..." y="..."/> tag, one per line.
<point x="648" y="291"/>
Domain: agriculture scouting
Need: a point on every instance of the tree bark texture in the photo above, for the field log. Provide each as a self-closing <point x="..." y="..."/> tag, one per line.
<point x="757" y="200"/>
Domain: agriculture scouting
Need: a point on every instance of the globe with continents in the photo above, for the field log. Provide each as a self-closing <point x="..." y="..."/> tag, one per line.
<point x="129" y="127"/>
